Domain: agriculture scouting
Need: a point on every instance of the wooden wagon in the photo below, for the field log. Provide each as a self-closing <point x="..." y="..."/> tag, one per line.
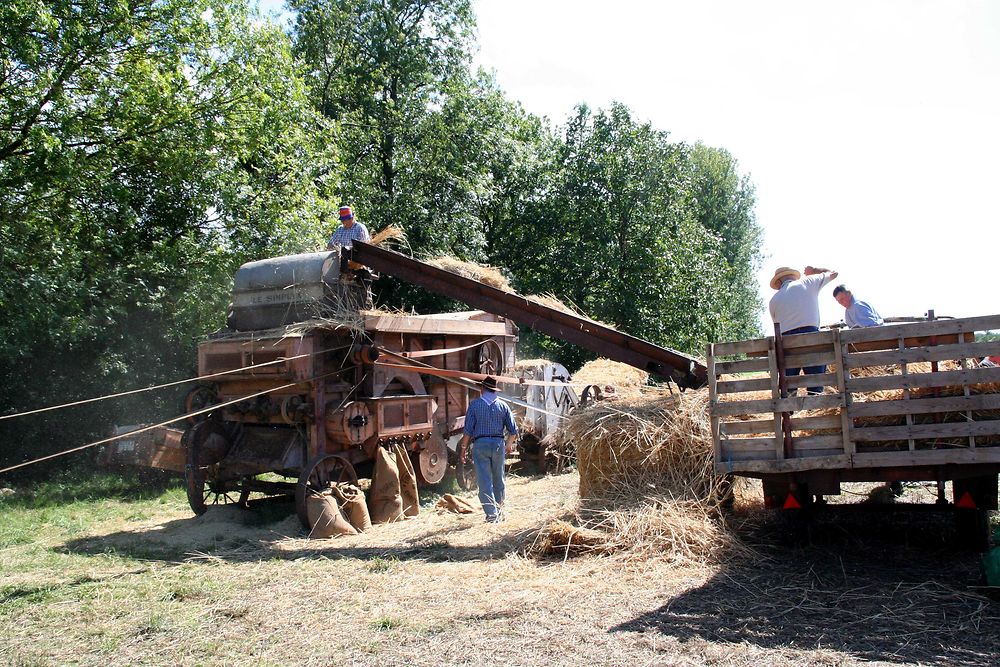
<point x="899" y="402"/>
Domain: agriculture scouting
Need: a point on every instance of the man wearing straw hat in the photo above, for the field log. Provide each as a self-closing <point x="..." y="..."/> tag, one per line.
<point x="485" y="422"/>
<point x="795" y="307"/>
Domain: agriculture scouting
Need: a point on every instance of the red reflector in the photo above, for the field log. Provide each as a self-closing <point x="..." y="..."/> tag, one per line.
<point x="966" y="501"/>
<point x="791" y="503"/>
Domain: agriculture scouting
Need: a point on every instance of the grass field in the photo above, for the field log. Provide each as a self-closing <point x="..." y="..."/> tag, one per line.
<point x="107" y="572"/>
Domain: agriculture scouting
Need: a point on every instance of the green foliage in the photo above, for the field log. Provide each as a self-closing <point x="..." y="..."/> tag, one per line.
<point x="653" y="237"/>
<point x="147" y="148"/>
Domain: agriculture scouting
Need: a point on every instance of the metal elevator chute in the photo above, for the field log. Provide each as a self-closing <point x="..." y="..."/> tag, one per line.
<point x="687" y="371"/>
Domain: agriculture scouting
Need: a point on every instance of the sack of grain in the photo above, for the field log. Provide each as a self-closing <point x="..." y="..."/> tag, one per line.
<point x="325" y="517"/>
<point x="352" y="503"/>
<point x="385" y="504"/>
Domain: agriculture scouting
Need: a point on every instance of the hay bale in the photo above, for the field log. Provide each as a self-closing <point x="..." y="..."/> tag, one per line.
<point x="485" y="274"/>
<point x="614" y="378"/>
<point x="661" y="442"/>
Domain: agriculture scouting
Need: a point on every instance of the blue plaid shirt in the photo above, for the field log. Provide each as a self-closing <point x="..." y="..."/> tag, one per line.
<point x="488" y="421"/>
<point x="345" y="237"/>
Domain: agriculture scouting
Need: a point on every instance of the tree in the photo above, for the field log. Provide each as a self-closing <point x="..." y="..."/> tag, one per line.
<point x="146" y="149"/>
<point x="379" y="68"/>
<point x="624" y="236"/>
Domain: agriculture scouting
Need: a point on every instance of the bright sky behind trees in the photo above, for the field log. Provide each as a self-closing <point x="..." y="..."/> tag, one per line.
<point x="871" y="129"/>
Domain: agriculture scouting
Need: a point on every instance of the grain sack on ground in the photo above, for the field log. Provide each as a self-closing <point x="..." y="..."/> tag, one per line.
<point x="385" y="504"/>
<point x="352" y="504"/>
<point x="407" y="482"/>
<point x="325" y="516"/>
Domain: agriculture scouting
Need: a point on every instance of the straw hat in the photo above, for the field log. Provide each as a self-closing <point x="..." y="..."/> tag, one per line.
<point x="781" y="274"/>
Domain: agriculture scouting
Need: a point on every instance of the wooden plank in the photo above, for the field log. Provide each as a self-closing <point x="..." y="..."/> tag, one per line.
<point x="790" y="404"/>
<point x="811" y="359"/>
<point x="748" y="445"/>
<point x="747" y="427"/>
<point x="767" y="425"/>
<point x="787" y="465"/>
<point x="773" y="372"/>
<point x="918" y="406"/>
<point x="814" y="442"/>
<point x="427" y="326"/>
<point x="845" y="424"/>
<point x="741" y="366"/>
<point x="922" y="380"/>
<point x="926" y="457"/>
<point x="816" y="338"/>
<point x="817" y="380"/>
<point x="713" y="395"/>
<point x="932" y="328"/>
<point x="913" y="341"/>
<point x="755" y="347"/>
<point x="738" y="386"/>
<point x="917" y="354"/>
<point x="816" y="423"/>
<point x="924" y="431"/>
<point x="730" y="458"/>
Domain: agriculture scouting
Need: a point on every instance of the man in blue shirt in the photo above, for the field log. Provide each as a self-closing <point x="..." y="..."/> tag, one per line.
<point x="485" y="422"/>
<point x="857" y="313"/>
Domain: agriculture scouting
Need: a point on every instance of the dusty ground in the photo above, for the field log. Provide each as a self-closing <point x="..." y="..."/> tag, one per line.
<point x="242" y="587"/>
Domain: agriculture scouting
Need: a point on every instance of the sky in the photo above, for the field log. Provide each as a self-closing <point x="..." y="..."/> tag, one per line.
<point x="870" y="129"/>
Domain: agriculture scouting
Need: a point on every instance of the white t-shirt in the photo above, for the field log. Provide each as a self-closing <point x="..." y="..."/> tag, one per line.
<point x="796" y="303"/>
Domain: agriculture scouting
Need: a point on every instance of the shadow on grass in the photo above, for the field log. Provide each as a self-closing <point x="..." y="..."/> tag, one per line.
<point x="270" y="530"/>
<point x="882" y="587"/>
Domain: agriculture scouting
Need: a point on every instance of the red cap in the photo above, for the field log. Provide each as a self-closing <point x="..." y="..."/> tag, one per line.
<point x="346" y="213"/>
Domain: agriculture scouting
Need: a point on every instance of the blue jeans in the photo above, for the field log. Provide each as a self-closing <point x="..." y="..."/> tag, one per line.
<point x="488" y="456"/>
<point x="809" y="370"/>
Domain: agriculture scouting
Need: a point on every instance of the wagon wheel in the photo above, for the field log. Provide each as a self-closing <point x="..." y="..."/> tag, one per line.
<point x="465" y="473"/>
<point x="207" y="445"/>
<point x="201" y="396"/>
<point x="432" y="462"/>
<point x="490" y="360"/>
<point x="322" y="473"/>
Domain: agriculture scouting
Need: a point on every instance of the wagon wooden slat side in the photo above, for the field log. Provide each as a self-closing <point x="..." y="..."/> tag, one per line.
<point x="899" y="402"/>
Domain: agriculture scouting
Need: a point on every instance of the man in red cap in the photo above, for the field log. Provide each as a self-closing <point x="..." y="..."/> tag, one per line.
<point x="349" y="231"/>
<point x="344" y="236"/>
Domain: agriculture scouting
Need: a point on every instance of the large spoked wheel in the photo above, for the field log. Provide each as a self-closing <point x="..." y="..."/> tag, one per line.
<point x="322" y="473"/>
<point x="207" y="444"/>
<point x="199" y="398"/>
<point x="490" y="360"/>
<point x="465" y="474"/>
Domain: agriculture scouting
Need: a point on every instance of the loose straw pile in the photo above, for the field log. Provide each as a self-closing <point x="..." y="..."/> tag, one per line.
<point x="647" y="481"/>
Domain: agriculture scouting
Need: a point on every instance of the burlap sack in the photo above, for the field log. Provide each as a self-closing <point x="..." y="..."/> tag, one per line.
<point x="352" y="503"/>
<point x="450" y="503"/>
<point x="407" y="482"/>
<point x="384" y="502"/>
<point x="325" y="517"/>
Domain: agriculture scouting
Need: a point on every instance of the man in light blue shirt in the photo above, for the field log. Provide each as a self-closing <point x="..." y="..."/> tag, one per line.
<point x="857" y="313"/>
<point x="344" y="236"/>
<point x="486" y="420"/>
